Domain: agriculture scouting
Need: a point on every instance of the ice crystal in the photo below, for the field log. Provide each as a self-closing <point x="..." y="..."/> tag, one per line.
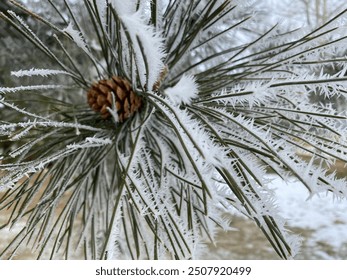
<point x="222" y="107"/>
<point x="184" y="91"/>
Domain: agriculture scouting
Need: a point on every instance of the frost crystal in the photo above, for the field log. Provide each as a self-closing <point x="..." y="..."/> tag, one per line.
<point x="147" y="43"/>
<point x="225" y="100"/>
<point x="29" y="88"/>
<point x="77" y="36"/>
<point x="38" y="72"/>
<point x="184" y="91"/>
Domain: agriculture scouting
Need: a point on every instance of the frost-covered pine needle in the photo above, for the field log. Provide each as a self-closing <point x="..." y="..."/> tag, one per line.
<point x="221" y="107"/>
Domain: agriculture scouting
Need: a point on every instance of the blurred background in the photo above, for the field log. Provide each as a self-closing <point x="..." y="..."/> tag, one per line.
<point x="320" y="221"/>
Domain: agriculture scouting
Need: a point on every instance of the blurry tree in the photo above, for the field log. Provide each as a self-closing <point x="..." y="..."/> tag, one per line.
<point x="224" y="99"/>
<point x="16" y="53"/>
<point x="311" y="14"/>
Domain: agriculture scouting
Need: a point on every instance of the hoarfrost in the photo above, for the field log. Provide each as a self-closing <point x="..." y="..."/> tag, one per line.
<point x="148" y="44"/>
<point x="90" y="142"/>
<point x="29" y="88"/>
<point x="184" y="91"/>
<point x="77" y="37"/>
<point x="38" y="72"/>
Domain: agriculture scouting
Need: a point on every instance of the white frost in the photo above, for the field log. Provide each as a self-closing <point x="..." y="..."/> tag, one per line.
<point x="77" y="37"/>
<point x="184" y="91"/>
<point x="324" y="215"/>
<point x="90" y="142"/>
<point x="146" y="43"/>
<point x="38" y="72"/>
<point x="28" y="88"/>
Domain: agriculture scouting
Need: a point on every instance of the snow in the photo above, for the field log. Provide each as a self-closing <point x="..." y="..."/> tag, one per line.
<point x="146" y="43"/>
<point x="324" y="215"/>
<point x="184" y="91"/>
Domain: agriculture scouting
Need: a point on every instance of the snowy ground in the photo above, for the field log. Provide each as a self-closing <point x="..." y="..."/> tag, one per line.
<point x="324" y="216"/>
<point x="320" y="221"/>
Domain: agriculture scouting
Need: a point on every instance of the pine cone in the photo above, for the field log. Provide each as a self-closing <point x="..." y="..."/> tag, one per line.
<point x="126" y="100"/>
<point x="162" y="76"/>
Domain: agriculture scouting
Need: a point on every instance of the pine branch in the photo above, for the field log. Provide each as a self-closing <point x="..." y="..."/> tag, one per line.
<point x="150" y="120"/>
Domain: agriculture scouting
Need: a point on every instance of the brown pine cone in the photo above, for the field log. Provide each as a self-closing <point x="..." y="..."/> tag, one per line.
<point x="126" y="100"/>
<point x="162" y="76"/>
